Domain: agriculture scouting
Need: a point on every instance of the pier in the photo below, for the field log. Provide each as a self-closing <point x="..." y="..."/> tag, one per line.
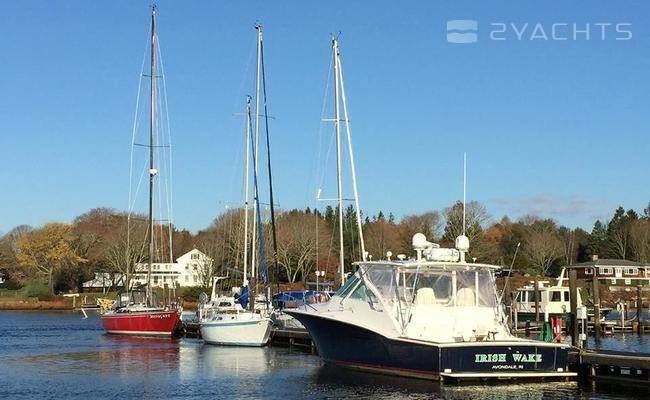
<point x="604" y="365"/>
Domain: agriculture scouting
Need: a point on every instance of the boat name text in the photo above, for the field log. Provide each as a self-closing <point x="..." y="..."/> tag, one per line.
<point x="501" y="357"/>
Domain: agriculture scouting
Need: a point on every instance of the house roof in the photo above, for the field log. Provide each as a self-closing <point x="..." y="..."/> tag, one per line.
<point x="608" y="262"/>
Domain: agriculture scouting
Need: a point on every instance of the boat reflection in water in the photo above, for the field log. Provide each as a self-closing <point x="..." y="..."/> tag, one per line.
<point x="345" y="381"/>
<point x="138" y="355"/>
<point x="237" y="365"/>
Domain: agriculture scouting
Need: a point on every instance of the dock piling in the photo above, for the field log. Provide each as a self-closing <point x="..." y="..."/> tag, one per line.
<point x="573" y="299"/>
<point x="536" y="296"/>
<point x="596" y="289"/>
<point x="639" y="309"/>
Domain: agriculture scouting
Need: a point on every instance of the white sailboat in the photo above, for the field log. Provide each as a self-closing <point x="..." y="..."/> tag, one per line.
<point x="240" y="321"/>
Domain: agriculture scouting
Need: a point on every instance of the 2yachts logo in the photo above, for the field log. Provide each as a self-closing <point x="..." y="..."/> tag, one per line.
<point x="466" y="31"/>
<point x="462" y="31"/>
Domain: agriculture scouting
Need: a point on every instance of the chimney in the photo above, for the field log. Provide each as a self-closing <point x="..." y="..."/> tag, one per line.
<point x="594" y="257"/>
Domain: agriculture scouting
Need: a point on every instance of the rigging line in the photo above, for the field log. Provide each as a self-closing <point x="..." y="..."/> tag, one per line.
<point x="137" y="189"/>
<point x="320" y="130"/>
<point x="133" y="133"/>
<point x="268" y="160"/>
<point x="170" y="177"/>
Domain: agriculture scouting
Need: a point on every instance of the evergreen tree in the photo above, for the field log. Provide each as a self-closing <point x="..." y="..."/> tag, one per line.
<point x="597" y="239"/>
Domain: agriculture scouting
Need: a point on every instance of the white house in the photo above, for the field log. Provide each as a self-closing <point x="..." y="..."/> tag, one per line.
<point x="186" y="271"/>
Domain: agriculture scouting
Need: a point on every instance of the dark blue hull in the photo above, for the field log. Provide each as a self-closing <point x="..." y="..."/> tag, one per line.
<point x="346" y="344"/>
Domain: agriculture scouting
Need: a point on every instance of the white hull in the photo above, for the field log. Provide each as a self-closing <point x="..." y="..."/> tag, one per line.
<point x="242" y="329"/>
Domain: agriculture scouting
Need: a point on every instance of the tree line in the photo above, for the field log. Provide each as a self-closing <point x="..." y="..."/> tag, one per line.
<point x="63" y="256"/>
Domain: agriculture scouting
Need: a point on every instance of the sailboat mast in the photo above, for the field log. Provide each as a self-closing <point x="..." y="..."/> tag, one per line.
<point x="351" y="153"/>
<point x="337" y="124"/>
<point x="271" y="199"/>
<point x="258" y="27"/>
<point x="246" y="185"/>
<point x="152" y="170"/>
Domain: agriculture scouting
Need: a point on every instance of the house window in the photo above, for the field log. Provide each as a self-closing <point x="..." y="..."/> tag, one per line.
<point x="605" y="270"/>
<point x="195" y="256"/>
<point x="556" y="296"/>
<point x="155" y="280"/>
<point x="589" y="271"/>
<point x="631" y="271"/>
<point x="187" y="278"/>
<point x="566" y="296"/>
<point x="613" y="281"/>
<point x="194" y="278"/>
<point x="628" y="281"/>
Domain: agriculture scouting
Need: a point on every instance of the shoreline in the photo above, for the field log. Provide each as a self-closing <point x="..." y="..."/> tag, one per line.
<point x="58" y="305"/>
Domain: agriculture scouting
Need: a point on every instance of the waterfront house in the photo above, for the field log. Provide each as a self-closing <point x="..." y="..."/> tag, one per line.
<point x="188" y="270"/>
<point x="615" y="273"/>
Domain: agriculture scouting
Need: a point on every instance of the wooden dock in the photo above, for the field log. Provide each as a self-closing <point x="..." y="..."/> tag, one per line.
<point x="280" y="337"/>
<point x="292" y="338"/>
<point x="604" y="365"/>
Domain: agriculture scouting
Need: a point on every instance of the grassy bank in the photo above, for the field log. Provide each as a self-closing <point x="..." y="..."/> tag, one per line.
<point x="34" y="304"/>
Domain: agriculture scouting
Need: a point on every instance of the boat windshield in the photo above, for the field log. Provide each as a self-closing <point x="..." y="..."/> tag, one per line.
<point x="432" y="286"/>
<point x="350" y="284"/>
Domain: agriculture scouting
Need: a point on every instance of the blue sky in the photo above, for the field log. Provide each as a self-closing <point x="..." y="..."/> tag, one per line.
<point x="556" y="128"/>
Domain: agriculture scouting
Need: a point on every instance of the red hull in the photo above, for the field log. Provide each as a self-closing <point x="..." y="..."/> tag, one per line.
<point x="155" y="323"/>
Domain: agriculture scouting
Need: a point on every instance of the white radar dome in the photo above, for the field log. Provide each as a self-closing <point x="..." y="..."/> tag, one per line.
<point x="462" y="243"/>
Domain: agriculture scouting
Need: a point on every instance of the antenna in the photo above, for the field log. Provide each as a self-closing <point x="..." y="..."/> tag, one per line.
<point x="462" y="241"/>
<point x="464" y="188"/>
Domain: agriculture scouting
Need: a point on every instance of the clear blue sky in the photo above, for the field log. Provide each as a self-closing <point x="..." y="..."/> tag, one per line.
<point x="557" y="128"/>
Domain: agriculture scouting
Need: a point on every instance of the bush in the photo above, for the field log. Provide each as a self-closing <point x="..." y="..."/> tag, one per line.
<point x="192" y="293"/>
<point x="38" y="290"/>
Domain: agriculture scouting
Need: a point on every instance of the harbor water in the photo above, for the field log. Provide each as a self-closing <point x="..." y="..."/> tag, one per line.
<point x="59" y="355"/>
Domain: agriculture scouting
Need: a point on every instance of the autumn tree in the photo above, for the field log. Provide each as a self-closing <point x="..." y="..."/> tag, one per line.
<point x="428" y="223"/>
<point x="301" y="238"/>
<point x="542" y="245"/>
<point x="476" y="216"/>
<point x="127" y="246"/>
<point x="48" y="249"/>
<point x="9" y="254"/>
<point x="382" y="235"/>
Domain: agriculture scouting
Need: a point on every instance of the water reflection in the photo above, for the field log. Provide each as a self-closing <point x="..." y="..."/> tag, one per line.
<point x="197" y="357"/>
<point x="119" y="355"/>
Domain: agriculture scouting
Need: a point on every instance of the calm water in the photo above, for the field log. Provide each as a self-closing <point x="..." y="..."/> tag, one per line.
<point x="61" y="356"/>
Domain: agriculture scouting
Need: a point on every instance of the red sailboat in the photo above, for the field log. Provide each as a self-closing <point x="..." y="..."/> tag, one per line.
<point x="137" y="312"/>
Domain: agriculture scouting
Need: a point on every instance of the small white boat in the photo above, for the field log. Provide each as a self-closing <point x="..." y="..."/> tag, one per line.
<point x="225" y="321"/>
<point x="239" y="328"/>
<point x="552" y="300"/>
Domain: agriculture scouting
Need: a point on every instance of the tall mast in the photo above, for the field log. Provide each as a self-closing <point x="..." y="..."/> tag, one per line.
<point x="258" y="27"/>
<point x="152" y="170"/>
<point x="354" y="173"/>
<point x="337" y="120"/>
<point x="271" y="199"/>
<point x="248" y="120"/>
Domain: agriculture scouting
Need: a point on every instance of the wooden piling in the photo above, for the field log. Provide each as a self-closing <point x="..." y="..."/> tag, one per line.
<point x="516" y="314"/>
<point x="536" y="295"/>
<point x="639" y="309"/>
<point x="573" y="300"/>
<point x="596" y="289"/>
